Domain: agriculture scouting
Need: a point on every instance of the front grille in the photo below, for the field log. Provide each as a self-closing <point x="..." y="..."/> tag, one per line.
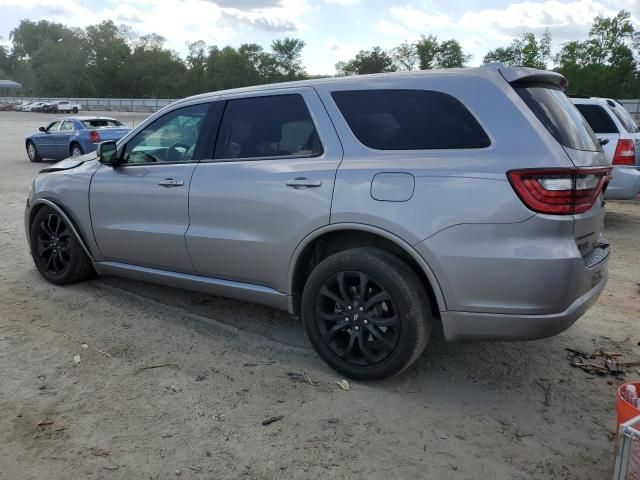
<point x="598" y="254"/>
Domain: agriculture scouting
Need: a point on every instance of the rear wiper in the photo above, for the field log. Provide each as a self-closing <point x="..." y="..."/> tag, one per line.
<point x="603" y="141"/>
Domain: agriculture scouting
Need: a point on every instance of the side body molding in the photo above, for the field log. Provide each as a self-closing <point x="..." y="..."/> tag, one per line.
<point x="442" y="306"/>
<point x="65" y="217"/>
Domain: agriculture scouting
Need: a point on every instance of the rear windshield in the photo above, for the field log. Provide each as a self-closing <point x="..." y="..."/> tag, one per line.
<point x="597" y="118"/>
<point x="409" y="120"/>
<point x="625" y="117"/>
<point x="560" y="117"/>
<point x="101" y="123"/>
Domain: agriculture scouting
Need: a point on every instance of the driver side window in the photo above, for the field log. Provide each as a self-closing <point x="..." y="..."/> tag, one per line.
<point x="170" y="138"/>
<point x="54" y="127"/>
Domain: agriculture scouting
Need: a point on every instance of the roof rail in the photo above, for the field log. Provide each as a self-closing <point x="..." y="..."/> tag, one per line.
<point x="577" y="95"/>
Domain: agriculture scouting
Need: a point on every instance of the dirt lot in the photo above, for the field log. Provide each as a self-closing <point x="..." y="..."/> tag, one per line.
<point x="466" y="410"/>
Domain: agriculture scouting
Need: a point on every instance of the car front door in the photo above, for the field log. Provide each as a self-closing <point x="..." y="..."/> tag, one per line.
<point x="46" y="141"/>
<point x="139" y="209"/>
<point x="269" y="185"/>
<point x="62" y="138"/>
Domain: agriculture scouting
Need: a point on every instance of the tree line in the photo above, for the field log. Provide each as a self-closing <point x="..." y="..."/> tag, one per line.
<point x="105" y="60"/>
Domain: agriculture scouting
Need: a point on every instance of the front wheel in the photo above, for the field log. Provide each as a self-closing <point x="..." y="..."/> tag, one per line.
<point x="367" y="313"/>
<point x="32" y="152"/>
<point x="56" y="252"/>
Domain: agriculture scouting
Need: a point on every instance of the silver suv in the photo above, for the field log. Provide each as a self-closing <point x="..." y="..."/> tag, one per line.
<point x="370" y="206"/>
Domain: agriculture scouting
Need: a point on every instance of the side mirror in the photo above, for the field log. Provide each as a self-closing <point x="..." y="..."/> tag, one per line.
<point x="108" y="153"/>
<point x="42" y="129"/>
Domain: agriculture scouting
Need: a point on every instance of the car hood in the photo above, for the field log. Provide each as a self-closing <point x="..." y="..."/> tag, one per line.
<point x="69" y="163"/>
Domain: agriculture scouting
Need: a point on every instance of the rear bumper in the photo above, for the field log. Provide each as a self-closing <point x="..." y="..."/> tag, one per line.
<point x="625" y="184"/>
<point x="486" y="326"/>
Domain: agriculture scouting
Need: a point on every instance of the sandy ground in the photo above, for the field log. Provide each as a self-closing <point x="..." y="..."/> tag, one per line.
<point x="465" y="410"/>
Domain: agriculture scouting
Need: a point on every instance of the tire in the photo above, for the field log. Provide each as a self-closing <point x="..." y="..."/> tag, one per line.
<point x="75" y="150"/>
<point x="75" y="109"/>
<point x="32" y="152"/>
<point x="395" y="315"/>
<point x="56" y="252"/>
<point x="54" y="110"/>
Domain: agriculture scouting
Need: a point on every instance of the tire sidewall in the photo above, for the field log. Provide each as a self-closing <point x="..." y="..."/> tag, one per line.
<point x="73" y="147"/>
<point x="387" y="271"/>
<point x="36" y="157"/>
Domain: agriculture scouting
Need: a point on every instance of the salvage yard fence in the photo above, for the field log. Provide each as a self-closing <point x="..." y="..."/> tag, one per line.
<point x="149" y="105"/>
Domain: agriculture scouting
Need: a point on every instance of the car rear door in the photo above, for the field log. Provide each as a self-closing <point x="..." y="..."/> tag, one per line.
<point x="269" y="185"/>
<point x="139" y="209"/>
<point x="46" y="142"/>
<point x="62" y="138"/>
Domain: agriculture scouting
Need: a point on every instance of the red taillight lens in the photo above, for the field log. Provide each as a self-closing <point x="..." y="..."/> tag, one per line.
<point x="559" y="191"/>
<point x="625" y="152"/>
<point x="94" y="137"/>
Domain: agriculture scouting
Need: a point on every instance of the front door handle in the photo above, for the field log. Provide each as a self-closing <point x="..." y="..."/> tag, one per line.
<point x="170" y="182"/>
<point x="303" y="183"/>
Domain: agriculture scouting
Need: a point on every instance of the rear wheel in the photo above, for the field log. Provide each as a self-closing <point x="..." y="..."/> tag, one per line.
<point x="56" y="252"/>
<point x="32" y="152"/>
<point x="367" y="313"/>
<point x="75" y="109"/>
<point x="76" y="150"/>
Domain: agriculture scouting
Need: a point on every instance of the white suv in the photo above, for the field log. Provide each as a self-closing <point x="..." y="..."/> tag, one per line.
<point x="620" y="139"/>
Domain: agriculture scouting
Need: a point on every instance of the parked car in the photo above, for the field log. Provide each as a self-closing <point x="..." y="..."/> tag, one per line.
<point x="620" y="140"/>
<point x="33" y="107"/>
<point x="65" y="106"/>
<point x="72" y="136"/>
<point x="371" y="206"/>
<point x="47" y="107"/>
<point x="22" y="107"/>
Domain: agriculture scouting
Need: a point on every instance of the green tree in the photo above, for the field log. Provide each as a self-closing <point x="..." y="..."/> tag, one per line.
<point x="108" y="53"/>
<point x="435" y="54"/>
<point x="525" y="51"/>
<point x="405" y="56"/>
<point x="375" y="60"/>
<point x="288" y="57"/>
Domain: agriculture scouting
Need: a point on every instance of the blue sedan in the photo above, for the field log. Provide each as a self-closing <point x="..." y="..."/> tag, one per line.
<point x="72" y="136"/>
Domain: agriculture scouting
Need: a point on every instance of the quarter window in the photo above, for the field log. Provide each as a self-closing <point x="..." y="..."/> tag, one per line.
<point x="409" y="120"/>
<point x="170" y="138"/>
<point x="597" y="118"/>
<point x="270" y="126"/>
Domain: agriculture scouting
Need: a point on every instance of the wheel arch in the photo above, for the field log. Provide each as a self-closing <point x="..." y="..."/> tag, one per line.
<point x="38" y="203"/>
<point x="341" y="236"/>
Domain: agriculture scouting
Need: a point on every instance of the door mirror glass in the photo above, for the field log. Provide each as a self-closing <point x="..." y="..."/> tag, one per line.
<point x="42" y="129"/>
<point x="108" y="153"/>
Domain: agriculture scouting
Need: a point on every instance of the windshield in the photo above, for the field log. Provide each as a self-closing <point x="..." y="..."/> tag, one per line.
<point x="560" y="117"/>
<point x="101" y="123"/>
<point x="625" y="117"/>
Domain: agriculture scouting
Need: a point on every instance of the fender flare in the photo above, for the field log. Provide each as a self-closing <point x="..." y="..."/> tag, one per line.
<point x="435" y="285"/>
<point x="65" y="217"/>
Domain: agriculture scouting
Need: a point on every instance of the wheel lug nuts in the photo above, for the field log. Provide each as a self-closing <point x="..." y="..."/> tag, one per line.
<point x="356" y="328"/>
<point x="346" y="319"/>
<point x="366" y="322"/>
<point x="361" y="309"/>
<point x="349" y="307"/>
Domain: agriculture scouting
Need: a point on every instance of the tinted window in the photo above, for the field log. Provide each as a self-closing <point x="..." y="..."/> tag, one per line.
<point x="272" y="126"/>
<point x="556" y="112"/>
<point x="625" y="117"/>
<point x="597" y="118"/>
<point x="409" y="120"/>
<point x="170" y="138"/>
<point x="101" y="123"/>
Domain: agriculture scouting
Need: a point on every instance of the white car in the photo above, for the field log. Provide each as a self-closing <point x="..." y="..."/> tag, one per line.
<point x="65" y="106"/>
<point x="33" y="107"/>
<point x="620" y="139"/>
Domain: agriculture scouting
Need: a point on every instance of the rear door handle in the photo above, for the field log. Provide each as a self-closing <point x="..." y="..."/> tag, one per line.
<point x="170" y="182"/>
<point x="303" y="183"/>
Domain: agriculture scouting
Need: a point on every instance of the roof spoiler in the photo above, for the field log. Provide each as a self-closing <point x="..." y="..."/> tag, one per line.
<point x="525" y="74"/>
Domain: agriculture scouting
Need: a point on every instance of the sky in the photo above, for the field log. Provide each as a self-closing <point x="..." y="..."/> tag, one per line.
<point x="333" y="30"/>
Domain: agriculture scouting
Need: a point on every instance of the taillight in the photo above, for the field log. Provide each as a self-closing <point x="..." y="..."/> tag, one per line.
<point x="625" y="152"/>
<point x="94" y="137"/>
<point x="559" y="191"/>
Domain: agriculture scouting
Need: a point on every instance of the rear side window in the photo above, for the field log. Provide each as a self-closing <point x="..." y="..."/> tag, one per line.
<point x="101" y="123"/>
<point x="625" y="118"/>
<point x="597" y="118"/>
<point x="556" y="112"/>
<point x="409" y="120"/>
<point x="270" y="126"/>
